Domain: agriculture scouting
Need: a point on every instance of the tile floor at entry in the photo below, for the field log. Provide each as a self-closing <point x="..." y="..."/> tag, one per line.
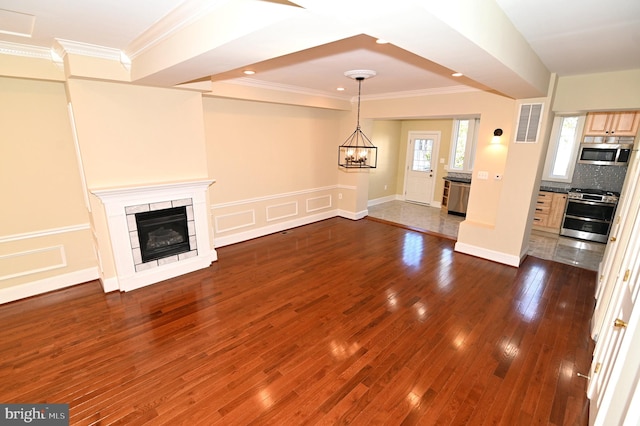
<point x="544" y="245"/>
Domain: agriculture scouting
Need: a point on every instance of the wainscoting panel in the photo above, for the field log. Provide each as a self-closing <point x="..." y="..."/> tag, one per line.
<point x="28" y="262"/>
<point x="250" y="218"/>
<point x="233" y="221"/>
<point x="282" y="211"/>
<point x="45" y="260"/>
<point x="318" y="203"/>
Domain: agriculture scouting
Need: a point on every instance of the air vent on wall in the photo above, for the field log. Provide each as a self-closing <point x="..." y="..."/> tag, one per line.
<point x="529" y="123"/>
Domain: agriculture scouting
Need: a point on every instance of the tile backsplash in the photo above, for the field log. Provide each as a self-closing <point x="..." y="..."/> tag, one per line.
<point x="609" y="178"/>
<point x="589" y="176"/>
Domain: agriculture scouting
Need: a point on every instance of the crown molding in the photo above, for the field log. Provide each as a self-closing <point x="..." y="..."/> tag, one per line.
<point x="182" y="16"/>
<point x="63" y="47"/>
<point x="250" y="82"/>
<point x="422" y="92"/>
<point x="243" y="81"/>
<point x="26" y="50"/>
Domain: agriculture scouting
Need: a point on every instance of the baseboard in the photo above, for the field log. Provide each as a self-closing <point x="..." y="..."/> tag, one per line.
<point x="381" y="200"/>
<point x="353" y="216"/>
<point x="492" y="255"/>
<point x="46" y="285"/>
<point x="109" y="284"/>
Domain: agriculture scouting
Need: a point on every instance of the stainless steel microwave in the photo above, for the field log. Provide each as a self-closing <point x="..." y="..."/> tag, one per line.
<point x="605" y="154"/>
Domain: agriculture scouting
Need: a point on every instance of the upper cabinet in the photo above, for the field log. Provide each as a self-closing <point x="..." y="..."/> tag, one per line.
<point x="623" y="123"/>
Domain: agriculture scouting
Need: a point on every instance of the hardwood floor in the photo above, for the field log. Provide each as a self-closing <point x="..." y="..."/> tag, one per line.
<point x="335" y="322"/>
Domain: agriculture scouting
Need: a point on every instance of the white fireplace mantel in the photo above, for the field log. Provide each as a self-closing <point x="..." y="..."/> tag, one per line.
<point x="117" y="200"/>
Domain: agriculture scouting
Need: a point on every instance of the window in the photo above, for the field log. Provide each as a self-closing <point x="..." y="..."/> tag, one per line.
<point x="563" y="147"/>
<point x="463" y="145"/>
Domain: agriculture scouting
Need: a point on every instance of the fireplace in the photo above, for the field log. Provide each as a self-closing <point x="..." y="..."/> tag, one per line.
<point x="162" y="233"/>
<point x="156" y="232"/>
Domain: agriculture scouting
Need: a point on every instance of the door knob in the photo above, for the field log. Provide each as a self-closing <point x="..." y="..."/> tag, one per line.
<point x="619" y="323"/>
<point x="612" y="239"/>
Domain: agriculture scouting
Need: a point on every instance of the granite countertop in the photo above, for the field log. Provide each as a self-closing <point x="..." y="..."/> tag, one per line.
<point x="554" y="189"/>
<point x="542" y="187"/>
<point x="457" y="179"/>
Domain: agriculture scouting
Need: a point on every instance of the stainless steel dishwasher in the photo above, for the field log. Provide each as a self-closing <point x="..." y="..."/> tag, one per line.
<point x="458" y="198"/>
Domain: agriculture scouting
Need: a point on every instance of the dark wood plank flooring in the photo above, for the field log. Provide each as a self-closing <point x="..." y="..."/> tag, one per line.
<point x="337" y="322"/>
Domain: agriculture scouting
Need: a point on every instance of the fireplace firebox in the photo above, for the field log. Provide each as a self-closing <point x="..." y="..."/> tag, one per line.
<point x="162" y="233"/>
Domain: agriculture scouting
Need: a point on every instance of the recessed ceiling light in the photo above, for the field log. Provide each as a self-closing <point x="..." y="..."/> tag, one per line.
<point x="249" y="72"/>
<point x="381" y="41"/>
<point x="340" y="89"/>
<point x="457" y="74"/>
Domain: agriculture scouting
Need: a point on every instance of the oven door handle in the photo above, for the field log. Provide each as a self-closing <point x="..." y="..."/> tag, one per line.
<point x="591" y="203"/>
<point x="586" y="219"/>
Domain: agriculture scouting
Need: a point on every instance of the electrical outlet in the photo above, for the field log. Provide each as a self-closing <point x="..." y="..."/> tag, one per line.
<point x="385" y="187"/>
<point x="340" y="196"/>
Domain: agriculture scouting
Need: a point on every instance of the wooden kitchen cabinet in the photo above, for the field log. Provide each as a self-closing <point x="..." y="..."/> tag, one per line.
<point x="549" y="211"/>
<point x="623" y="123"/>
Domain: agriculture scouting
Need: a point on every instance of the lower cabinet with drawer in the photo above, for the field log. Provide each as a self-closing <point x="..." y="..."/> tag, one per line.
<point x="549" y="211"/>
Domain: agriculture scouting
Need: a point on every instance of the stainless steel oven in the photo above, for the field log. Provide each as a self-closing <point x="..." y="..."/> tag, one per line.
<point x="589" y="213"/>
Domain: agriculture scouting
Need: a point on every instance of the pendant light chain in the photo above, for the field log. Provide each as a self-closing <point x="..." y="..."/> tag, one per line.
<point x="359" y="90"/>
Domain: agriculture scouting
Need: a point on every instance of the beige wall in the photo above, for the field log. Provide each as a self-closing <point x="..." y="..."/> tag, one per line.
<point x="273" y="165"/>
<point x="598" y="92"/>
<point x="386" y="136"/>
<point x="44" y="225"/>
<point x="137" y="135"/>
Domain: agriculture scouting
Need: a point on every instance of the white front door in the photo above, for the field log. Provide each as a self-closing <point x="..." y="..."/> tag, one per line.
<point x="614" y="369"/>
<point x="615" y="364"/>
<point x="422" y="154"/>
<point x="617" y="238"/>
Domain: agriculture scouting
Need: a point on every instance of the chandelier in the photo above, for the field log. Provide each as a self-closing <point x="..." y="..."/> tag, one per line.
<point x="358" y="151"/>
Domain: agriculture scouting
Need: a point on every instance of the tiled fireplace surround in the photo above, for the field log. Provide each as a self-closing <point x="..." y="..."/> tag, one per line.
<point x="122" y="203"/>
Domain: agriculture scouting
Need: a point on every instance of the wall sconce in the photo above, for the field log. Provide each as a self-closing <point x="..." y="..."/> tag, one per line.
<point x="496" y="136"/>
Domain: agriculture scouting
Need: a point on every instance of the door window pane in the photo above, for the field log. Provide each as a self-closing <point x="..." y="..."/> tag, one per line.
<point x="422" y="149"/>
